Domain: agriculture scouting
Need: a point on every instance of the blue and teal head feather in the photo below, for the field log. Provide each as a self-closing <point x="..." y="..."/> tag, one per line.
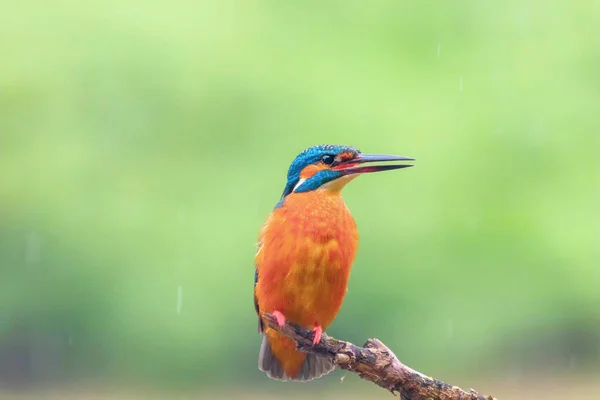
<point x="313" y="155"/>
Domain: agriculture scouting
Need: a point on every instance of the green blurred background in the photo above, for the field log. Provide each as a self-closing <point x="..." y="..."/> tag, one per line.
<point x="142" y="145"/>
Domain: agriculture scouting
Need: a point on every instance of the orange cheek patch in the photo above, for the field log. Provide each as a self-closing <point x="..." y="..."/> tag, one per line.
<point x="311" y="170"/>
<point x="346" y="156"/>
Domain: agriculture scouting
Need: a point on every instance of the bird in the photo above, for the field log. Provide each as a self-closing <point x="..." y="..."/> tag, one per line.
<point x="305" y="250"/>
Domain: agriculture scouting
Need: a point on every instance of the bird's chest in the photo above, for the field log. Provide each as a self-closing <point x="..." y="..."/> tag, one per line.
<point x="308" y="253"/>
<point x="321" y="238"/>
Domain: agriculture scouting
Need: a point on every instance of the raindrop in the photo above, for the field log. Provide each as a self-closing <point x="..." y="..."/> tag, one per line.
<point x="438" y="51"/>
<point x="33" y="248"/>
<point x="572" y="361"/>
<point x="70" y="340"/>
<point x="450" y="328"/>
<point x="179" y="298"/>
<point x="461" y="84"/>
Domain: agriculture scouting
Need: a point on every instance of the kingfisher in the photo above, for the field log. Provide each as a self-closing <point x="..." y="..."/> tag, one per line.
<point x="305" y="251"/>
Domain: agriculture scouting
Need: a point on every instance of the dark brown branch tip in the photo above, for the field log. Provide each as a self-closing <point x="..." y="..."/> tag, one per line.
<point x="376" y="363"/>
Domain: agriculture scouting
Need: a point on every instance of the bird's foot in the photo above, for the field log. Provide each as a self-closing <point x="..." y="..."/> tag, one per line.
<point x="279" y="317"/>
<point x="318" y="331"/>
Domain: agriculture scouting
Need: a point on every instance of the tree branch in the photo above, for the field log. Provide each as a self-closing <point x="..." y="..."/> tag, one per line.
<point x="376" y="363"/>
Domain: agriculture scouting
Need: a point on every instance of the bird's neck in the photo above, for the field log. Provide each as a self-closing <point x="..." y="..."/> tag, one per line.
<point x="317" y="208"/>
<point x="335" y="187"/>
<point x="322" y="197"/>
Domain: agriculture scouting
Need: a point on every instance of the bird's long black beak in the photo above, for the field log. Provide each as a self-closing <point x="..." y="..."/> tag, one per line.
<point x="350" y="166"/>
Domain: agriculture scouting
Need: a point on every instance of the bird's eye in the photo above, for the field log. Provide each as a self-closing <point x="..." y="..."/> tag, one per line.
<point x="327" y="159"/>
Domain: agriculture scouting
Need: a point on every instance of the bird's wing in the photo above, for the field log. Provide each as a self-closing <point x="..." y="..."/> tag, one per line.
<point x="257" y="263"/>
<point x="260" y="321"/>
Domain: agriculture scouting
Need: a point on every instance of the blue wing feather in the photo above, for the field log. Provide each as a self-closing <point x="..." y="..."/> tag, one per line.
<point x="261" y="327"/>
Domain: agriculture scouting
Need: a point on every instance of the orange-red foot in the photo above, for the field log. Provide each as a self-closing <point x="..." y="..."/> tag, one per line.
<point x="279" y="317"/>
<point x="318" y="331"/>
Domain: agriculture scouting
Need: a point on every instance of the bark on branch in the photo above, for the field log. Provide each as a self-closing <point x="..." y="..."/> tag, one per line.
<point x="376" y="363"/>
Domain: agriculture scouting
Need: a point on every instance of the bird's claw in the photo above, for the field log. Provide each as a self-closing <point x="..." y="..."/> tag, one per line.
<point x="318" y="331"/>
<point x="279" y="317"/>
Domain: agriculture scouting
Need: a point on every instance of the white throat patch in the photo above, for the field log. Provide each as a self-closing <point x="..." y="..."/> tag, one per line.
<point x="300" y="182"/>
<point x="338" y="184"/>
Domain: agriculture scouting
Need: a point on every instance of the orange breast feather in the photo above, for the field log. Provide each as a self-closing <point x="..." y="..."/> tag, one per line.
<point x="306" y="250"/>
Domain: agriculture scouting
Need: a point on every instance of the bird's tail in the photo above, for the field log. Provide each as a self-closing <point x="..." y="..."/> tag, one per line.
<point x="280" y="360"/>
